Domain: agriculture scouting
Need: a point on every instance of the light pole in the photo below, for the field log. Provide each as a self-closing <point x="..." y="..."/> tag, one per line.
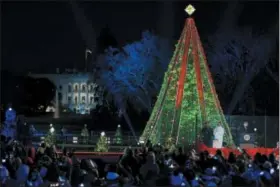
<point x="86" y="56"/>
<point x="265" y="127"/>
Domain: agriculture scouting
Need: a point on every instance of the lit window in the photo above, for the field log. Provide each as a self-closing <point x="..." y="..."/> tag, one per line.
<point x="83" y="88"/>
<point x="75" y="140"/>
<point x="91" y="100"/>
<point x="69" y="88"/>
<point x="95" y="99"/>
<point x="91" y="88"/>
<point x="83" y="99"/>
<point x="76" y="88"/>
<point x="60" y="96"/>
<point x="108" y="140"/>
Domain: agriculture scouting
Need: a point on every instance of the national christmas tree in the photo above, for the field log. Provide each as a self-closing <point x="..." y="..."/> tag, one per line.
<point x="187" y="99"/>
<point x="102" y="144"/>
<point x="118" y="135"/>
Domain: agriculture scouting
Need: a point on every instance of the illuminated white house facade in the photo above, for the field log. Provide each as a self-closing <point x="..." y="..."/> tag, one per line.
<point x="76" y="91"/>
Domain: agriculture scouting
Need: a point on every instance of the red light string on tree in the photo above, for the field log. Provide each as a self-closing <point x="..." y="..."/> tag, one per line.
<point x="181" y="84"/>
<point x="198" y="72"/>
<point x="183" y="68"/>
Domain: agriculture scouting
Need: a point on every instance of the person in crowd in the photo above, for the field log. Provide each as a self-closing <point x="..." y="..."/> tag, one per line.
<point x="245" y="128"/>
<point x="63" y="134"/>
<point x="207" y="135"/>
<point x="32" y="130"/>
<point x="180" y="158"/>
<point x="40" y="151"/>
<point x="231" y="158"/>
<point x="4" y="174"/>
<point x="150" y="170"/>
<point x="85" y="134"/>
<point x="22" y="172"/>
<point x="112" y="176"/>
<point x="34" y="178"/>
<point x="127" y="161"/>
<point x="148" y="144"/>
<point x="153" y="166"/>
<point x="178" y="179"/>
<point x="219" y="132"/>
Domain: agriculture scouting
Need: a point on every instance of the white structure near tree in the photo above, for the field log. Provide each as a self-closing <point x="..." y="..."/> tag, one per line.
<point x="76" y="91"/>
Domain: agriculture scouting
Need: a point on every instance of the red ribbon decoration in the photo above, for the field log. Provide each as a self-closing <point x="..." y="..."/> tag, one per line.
<point x="183" y="68"/>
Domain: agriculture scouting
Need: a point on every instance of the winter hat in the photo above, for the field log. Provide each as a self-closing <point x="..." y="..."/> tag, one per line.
<point x="43" y="172"/>
<point x="267" y="165"/>
<point x="211" y="184"/>
<point x="195" y="183"/>
<point x="112" y="176"/>
<point x="209" y="172"/>
<point x="4" y="173"/>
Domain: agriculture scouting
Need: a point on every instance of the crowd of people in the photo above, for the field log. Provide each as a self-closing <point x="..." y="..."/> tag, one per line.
<point x="146" y="166"/>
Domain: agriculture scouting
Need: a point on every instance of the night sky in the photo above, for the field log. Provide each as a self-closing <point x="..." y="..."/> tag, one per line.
<point x="40" y="36"/>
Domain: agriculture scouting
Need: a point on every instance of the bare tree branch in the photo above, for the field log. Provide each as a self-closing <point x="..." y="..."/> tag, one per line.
<point x="272" y="75"/>
<point x="238" y="58"/>
<point x="230" y="15"/>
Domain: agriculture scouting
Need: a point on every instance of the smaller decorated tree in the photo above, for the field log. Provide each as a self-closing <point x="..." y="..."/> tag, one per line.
<point x="50" y="138"/>
<point x="102" y="144"/>
<point x="118" y="136"/>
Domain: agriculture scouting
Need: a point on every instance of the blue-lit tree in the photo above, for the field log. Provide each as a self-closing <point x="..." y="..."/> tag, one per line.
<point x="134" y="73"/>
<point x="236" y="55"/>
<point x="9" y="127"/>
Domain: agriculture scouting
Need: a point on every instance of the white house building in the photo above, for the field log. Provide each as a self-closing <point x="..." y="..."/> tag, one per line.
<point x="76" y="90"/>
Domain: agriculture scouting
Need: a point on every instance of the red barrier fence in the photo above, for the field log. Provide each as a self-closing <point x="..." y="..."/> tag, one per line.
<point x="250" y="151"/>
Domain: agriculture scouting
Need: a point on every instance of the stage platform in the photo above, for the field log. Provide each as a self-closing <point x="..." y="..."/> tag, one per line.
<point x="108" y="157"/>
<point x="250" y="151"/>
<point x="226" y="151"/>
<point x="81" y="153"/>
<point x="116" y="155"/>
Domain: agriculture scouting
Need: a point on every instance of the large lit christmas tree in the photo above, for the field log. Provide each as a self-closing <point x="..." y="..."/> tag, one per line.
<point x="187" y="98"/>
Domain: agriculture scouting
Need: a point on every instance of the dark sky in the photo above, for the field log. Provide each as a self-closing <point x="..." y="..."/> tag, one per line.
<point x="40" y="36"/>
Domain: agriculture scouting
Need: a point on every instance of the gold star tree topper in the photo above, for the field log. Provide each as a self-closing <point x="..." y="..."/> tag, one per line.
<point x="190" y="10"/>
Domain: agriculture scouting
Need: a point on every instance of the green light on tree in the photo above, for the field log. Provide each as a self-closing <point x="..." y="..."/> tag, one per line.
<point x="118" y="139"/>
<point x="102" y="144"/>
